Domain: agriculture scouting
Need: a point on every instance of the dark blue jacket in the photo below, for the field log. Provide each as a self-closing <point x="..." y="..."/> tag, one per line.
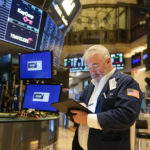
<point x="116" y="113"/>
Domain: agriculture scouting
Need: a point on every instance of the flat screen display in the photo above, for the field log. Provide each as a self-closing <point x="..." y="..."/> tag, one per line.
<point x="5" y="67"/>
<point x="76" y="64"/>
<point x="117" y="60"/>
<point x="20" y="23"/>
<point x="39" y="97"/>
<point x="52" y="39"/>
<point x="136" y="60"/>
<point x="145" y="56"/>
<point x="37" y="65"/>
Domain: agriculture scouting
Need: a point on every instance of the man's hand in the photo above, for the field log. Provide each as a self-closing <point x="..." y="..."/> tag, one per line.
<point x="79" y="116"/>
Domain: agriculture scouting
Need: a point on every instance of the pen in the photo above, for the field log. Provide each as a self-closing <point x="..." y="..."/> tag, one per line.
<point x="104" y="95"/>
<point x="90" y="104"/>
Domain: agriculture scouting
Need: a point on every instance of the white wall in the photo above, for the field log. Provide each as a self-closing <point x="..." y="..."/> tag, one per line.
<point x="75" y="90"/>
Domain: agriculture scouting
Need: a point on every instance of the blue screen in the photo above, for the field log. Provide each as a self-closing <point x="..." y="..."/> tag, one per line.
<point x="36" y="65"/>
<point x="136" y="60"/>
<point x="20" y="23"/>
<point x="40" y="97"/>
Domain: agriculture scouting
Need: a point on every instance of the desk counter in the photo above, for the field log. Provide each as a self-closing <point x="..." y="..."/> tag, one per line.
<point x="28" y="133"/>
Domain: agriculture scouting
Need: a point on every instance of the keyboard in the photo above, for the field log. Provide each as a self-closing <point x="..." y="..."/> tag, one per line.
<point x="8" y="115"/>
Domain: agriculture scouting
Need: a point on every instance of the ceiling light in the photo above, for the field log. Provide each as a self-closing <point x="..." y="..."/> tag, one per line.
<point x="135" y="50"/>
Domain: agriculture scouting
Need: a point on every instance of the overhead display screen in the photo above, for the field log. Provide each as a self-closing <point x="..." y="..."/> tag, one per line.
<point x="52" y="39"/>
<point x="145" y="56"/>
<point x="117" y="60"/>
<point x="136" y="60"/>
<point x="76" y="64"/>
<point x="64" y="12"/>
<point x="20" y="23"/>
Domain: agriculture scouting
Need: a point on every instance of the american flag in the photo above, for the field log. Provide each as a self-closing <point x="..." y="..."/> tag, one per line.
<point x="133" y="92"/>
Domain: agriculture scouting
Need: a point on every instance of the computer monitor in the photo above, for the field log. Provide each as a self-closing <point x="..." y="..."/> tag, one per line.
<point x="39" y="97"/>
<point x="37" y="65"/>
<point x="75" y="64"/>
<point x="136" y="60"/>
<point x="145" y="56"/>
<point x="5" y="67"/>
<point x="117" y="60"/>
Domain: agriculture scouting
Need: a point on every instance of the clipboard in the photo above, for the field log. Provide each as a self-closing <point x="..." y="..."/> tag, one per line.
<point x="70" y="104"/>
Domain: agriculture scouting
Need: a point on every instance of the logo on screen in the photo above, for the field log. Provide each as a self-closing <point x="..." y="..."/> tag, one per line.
<point x="22" y="39"/>
<point x="34" y="65"/>
<point x="41" y="96"/>
<point x="25" y="13"/>
<point x="26" y="19"/>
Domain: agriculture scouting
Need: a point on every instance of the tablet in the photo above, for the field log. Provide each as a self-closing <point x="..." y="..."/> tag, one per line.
<point x="70" y="104"/>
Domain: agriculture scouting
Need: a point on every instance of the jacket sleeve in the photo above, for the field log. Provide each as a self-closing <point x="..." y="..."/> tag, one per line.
<point x="125" y="108"/>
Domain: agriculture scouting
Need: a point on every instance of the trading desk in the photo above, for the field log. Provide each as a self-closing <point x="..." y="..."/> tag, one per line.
<point x="28" y="133"/>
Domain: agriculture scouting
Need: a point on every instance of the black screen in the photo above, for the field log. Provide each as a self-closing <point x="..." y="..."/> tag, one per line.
<point x="5" y="67"/>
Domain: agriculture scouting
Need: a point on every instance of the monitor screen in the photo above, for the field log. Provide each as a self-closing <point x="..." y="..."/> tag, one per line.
<point x="117" y="60"/>
<point x="37" y="65"/>
<point x="145" y="56"/>
<point x="39" y="97"/>
<point x="5" y="67"/>
<point x="136" y="60"/>
<point x="20" y="23"/>
<point x="52" y="39"/>
<point x="76" y="64"/>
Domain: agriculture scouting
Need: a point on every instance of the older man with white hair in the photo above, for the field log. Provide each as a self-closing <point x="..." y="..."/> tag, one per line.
<point x="115" y="100"/>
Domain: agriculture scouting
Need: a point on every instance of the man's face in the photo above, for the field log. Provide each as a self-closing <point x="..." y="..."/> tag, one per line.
<point x="97" y="67"/>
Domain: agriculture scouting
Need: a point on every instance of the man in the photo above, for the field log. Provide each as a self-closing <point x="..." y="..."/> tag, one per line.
<point x="115" y="100"/>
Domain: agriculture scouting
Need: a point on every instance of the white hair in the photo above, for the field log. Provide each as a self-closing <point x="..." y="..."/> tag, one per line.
<point x="96" y="49"/>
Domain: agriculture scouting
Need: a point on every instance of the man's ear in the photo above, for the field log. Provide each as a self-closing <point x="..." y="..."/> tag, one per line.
<point x="108" y="60"/>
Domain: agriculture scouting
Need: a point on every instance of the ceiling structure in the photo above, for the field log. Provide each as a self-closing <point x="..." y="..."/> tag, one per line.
<point x="103" y="15"/>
